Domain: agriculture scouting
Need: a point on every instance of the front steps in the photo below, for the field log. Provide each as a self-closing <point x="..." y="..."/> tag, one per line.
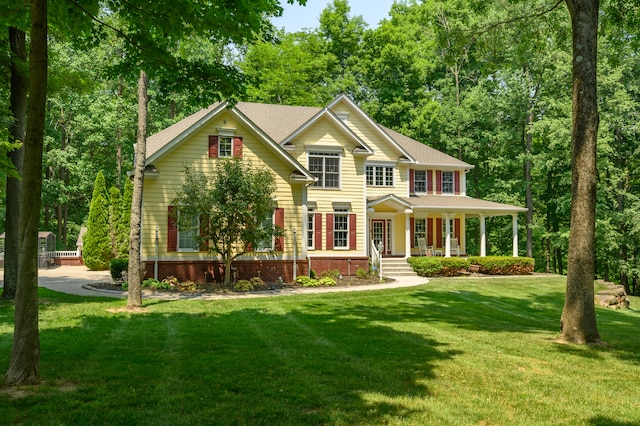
<point x="397" y="267"/>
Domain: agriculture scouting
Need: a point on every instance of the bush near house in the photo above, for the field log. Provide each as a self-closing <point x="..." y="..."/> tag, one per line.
<point x="503" y="265"/>
<point x="450" y="266"/>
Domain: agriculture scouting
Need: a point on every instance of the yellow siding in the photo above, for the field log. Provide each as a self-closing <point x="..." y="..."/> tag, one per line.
<point x="324" y="134"/>
<point x="193" y="152"/>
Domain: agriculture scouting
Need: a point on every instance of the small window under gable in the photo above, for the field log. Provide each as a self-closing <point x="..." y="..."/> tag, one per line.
<point x="225" y="144"/>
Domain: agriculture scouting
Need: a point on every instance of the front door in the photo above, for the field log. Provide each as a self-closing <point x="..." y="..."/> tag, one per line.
<point x="380" y="232"/>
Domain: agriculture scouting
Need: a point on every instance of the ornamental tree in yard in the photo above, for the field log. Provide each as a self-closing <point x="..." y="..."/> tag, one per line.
<point x="96" y="251"/>
<point x="232" y="205"/>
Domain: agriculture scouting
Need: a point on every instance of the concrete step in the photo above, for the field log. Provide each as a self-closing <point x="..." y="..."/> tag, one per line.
<point x="397" y="267"/>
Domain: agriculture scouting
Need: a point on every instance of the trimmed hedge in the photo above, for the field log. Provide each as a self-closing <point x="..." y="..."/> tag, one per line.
<point x="503" y="265"/>
<point x="428" y="266"/>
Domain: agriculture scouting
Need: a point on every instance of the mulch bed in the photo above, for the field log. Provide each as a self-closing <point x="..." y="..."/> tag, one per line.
<point x="212" y="287"/>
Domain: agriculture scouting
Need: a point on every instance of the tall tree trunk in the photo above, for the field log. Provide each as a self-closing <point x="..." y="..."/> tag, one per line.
<point x="134" y="300"/>
<point x="528" y="183"/>
<point x="623" y="228"/>
<point x="18" y="105"/>
<point x="25" y="354"/>
<point x="578" y="321"/>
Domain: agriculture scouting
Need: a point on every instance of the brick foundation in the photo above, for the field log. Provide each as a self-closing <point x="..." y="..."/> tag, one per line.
<point x="68" y="261"/>
<point x="269" y="270"/>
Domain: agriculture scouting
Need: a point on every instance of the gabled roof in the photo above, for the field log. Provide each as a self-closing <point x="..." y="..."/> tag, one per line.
<point x="178" y="131"/>
<point x="277" y="121"/>
<point x="162" y="142"/>
<point x="279" y="124"/>
<point x="373" y="125"/>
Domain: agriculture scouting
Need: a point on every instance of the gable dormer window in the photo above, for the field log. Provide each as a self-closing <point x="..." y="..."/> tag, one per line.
<point x="225" y="144"/>
<point x="325" y="166"/>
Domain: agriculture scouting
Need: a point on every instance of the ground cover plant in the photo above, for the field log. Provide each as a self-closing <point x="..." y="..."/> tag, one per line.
<point x="456" y="351"/>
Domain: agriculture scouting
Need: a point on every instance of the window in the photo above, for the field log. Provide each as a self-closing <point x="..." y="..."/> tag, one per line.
<point x="420" y="181"/>
<point x="311" y="228"/>
<point x="341" y="228"/>
<point x="225" y="147"/>
<point x="419" y="230"/>
<point x="447" y="182"/>
<point x="266" y="244"/>
<point x="326" y="167"/>
<point x="188" y="238"/>
<point x="379" y="175"/>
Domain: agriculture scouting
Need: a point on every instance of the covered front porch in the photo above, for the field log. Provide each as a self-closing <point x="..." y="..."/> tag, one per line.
<point x="432" y="224"/>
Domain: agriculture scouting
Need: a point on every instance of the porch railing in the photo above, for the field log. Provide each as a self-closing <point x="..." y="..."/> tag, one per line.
<point x="376" y="258"/>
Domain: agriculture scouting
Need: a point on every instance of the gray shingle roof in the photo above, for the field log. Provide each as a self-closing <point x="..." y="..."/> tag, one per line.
<point x="280" y="121"/>
<point x="424" y="154"/>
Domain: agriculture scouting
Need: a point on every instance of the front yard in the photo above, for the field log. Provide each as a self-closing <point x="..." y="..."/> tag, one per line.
<point x="454" y="351"/>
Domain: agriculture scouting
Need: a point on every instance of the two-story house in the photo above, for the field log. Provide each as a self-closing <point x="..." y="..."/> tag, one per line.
<point x="344" y="185"/>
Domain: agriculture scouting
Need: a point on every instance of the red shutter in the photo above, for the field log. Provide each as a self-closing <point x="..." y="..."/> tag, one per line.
<point x="439" y="232"/>
<point x="457" y="231"/>
<point x="438" y="181"/>
<point x="317" y="223"/>
<point x="329" y="236"/>
<point x="213" y="146"/>
<point x="412" y="181"/>
<point x="413" y="231"/>
<point x="456" y="180"/>
<point x="279" y="222"/>
<point x="237" y="147"/>
<point x="352" y="232"/>
<point x="172" y="230"/>
<point x="430" y="232"/>
<point x="429" y="181"/>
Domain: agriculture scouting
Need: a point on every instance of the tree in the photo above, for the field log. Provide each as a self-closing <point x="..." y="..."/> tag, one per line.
<point x="25" y="352"/>
<point x="232" y="205"/>
<point x="97" y="247"/>
<point x="18" y="101"/>
<point x="134" y="298"/>
<point x="123" y="226"/>
<point x="578" y="321"/>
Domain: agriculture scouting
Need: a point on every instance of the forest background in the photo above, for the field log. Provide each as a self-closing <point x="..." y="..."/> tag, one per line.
<point x="446" y="73"/>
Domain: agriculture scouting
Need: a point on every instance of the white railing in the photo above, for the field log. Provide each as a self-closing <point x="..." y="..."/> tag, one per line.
<point x="67" y="253"/>
<point x="376" y="258"/>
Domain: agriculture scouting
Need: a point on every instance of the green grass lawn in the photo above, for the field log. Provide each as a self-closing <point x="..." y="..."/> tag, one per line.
<point x="452" y="352"/>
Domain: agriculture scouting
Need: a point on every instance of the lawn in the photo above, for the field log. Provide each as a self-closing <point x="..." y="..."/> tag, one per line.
<point x="451" y="352"/>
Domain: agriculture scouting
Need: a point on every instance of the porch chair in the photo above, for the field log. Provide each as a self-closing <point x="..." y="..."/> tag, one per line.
<point x="455" y="248"/>
<point x="424" y="250"/>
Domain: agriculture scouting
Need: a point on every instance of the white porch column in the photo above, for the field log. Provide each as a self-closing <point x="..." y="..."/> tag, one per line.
<point x="515" y="235"/>
<point x="447" y="230"/>
<point x="483" y="237"/>
<point x="407" y="233"/>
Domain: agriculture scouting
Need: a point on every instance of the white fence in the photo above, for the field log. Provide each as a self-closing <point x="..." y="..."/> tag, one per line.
<point x="68" y="253"/>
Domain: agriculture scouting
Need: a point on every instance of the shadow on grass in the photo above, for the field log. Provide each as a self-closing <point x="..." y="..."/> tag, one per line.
<point x="220" y="365"/>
